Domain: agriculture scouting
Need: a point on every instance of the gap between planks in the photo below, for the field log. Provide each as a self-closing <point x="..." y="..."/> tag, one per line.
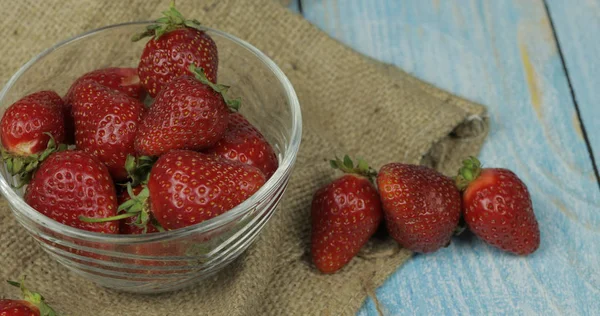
<point x="573" y="95"/>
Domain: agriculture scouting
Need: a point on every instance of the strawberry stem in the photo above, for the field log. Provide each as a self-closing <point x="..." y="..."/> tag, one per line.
<point x="137" y="205"/>
<point x="469" y="171"/>
<point x="171" y="20"/>
<point x="138" y="168"/>
<point x="198" y="72"/>
<point x="347" y="166"/>
<point x="461" y="227"/>
<point x="34" y="298"/>
<point x="155" y="223"/>
<point x="105" y="219"/>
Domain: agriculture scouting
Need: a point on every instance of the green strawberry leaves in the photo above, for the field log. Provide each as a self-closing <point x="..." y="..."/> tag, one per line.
<point x="138" y="168"/>
<point x="24" y="166"/>
<point x="34" y="298"/>
<point x="469" y="171"/>
<point x="137" y="205"/>
<point x="198" y="72"/>
<point x="171" y="20"/>
<point x="347" y="166"/>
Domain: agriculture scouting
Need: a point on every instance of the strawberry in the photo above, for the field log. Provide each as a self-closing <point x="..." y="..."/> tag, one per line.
<point x="136" y="225"/>
<point x="125" y="80"/>
<point x="497" y="208"/>
<point x="106" y="122"/>
<point x="69" y="184"/>
<point x="421" y="206"/>
<point x="32" y="304"/>
<point x="31" y="129"/>
<point x="18" y="308"/>
<point x="26" y="122"/>
<point x="345" y="214"/>
<point x="244" y="143"/>
<point x="187" y="187"/>
<point x="143" y="265"/>
<point x="188" y="113"/>
<point x="176" y="43"/>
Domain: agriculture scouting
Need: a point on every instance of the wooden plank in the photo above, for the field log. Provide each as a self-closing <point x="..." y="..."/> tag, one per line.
<point x="577" y="28"/>
<point x="502" y="54"/>
<point x="293" y="5"/>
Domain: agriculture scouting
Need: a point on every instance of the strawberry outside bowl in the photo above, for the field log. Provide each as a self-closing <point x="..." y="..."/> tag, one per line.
<point x="165" y="261"/>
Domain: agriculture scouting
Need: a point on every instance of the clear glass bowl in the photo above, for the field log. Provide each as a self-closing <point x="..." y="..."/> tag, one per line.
<point x="170" y="260"/>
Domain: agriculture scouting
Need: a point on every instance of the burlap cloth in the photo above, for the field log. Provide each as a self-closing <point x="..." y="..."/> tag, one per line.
<point x="350" y="105"/>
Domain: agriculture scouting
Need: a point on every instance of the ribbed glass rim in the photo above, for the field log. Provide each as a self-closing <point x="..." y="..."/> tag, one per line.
<point x="276" y="180"/>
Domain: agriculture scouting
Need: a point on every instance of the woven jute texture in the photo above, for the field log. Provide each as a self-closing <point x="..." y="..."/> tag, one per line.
<point x="350" y="104"/>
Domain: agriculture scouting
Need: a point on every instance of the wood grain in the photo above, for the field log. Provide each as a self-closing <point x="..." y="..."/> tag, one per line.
<point x="502" y="54"/>
<point x="577" y="28"/>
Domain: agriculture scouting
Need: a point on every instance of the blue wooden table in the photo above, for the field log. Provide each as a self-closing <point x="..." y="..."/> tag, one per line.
<point x="535" y="64"/>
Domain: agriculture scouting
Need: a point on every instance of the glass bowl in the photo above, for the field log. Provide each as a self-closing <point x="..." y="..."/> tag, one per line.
<point x="166" y="261"/>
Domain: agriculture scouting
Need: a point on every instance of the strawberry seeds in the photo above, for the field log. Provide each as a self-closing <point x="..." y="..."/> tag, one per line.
<point x="104" y="158"/>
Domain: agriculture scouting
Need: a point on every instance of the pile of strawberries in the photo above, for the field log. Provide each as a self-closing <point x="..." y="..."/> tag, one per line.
<point x="139" y="150"/>
<point x="161" y="147"/>
<point x="421" y="208"/>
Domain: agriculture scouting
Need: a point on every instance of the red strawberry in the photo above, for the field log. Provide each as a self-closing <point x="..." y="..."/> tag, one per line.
<point x="188" y="187"/>
<point x="106" y="122"/>
<point x="32" y="304"/>
<point x="497" y="208"/>
<point x="69" y="184"/>
<point x="189" y="113"/>
<point x="244" y="143"/>
<point x="153" y="266"/>
<point x="31" y="127"/>
<point x="125" y="80"/>
<point x="135" y="225"/>
<point x="27" y="123"/>
<point x="176" y="43"/>
<point x="345" y="214"/>
<point x="18" y="308"/>
<point x="421" y="206"/>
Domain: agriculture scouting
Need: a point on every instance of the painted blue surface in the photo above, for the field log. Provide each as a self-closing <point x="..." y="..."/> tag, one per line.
<point x="578" y="31"/>
<point x="502" y="54"/>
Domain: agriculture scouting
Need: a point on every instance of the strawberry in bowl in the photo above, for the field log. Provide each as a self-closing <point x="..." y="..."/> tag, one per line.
<point x="201" y="207"/>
